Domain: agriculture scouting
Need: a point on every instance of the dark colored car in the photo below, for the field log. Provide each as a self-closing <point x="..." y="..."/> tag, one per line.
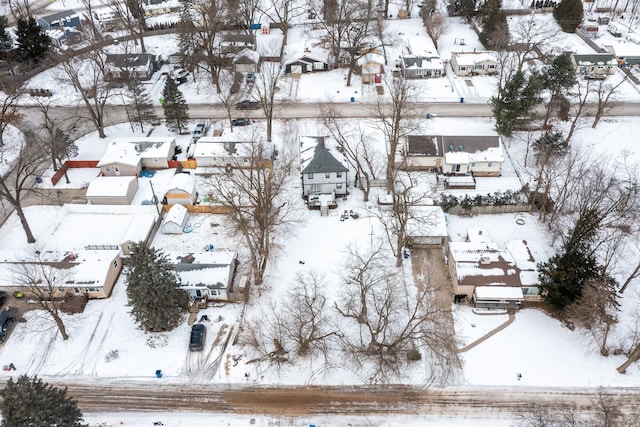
<point x="198" y="332"/>
<point x="241" y="122"/>
<point x="247" y="105"/>
<point x="3" y="298"/>
<point x="7" y="319"/>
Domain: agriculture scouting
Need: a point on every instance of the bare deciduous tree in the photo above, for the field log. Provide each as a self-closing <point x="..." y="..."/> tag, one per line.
<point x="605" y="98"/>
<point x="9" y="114"/>
<point x="86" y="75"/>
<point x="27" y="160"/>
<point x="394" y="322"/>
<point x="266" y="87"/>
<point x="395" y="121"/>
<point x="296" y="326"/>
<point x="357" y="148"/>
<point x="41" y="280"/>
<point x="254" y="195"/>
<point x="132" y="16"/>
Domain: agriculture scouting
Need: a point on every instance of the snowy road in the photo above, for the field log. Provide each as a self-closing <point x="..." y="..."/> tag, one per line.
<point x="295" y="401"/>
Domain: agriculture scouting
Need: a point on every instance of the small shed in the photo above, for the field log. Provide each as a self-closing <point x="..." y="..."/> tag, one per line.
<point x="175" y="220"/>
<point x="427" y="226"/>
<point x="182" y="190"/>
<point x="120" y="160"/>
<point x="112" y="190"/>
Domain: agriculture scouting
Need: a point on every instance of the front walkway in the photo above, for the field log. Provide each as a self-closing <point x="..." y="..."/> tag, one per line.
<point x="512" y="316"/>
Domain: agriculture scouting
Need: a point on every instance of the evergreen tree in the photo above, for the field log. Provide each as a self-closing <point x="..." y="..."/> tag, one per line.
<point x="176" y="110"/>
<point x="141" y="109"/>
<point x="549" y="145"/>
<point x="33" y="42"/>
<point x="32" y="402"/>
<point x="6" y="43"/>
<point x="495" y="31"/>
<point x="569" y="14"/>
<point x="512" y="107"/>
<point x="157" y="303"/>
<point x="565" y="274"/>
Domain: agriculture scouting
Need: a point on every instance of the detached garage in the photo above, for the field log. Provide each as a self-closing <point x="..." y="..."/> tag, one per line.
<point x="112" y="190"/>
<point x="182" y="190"/>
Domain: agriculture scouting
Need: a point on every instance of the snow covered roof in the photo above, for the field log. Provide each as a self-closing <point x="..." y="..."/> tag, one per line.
<point x="498" y="292"/>
<point x="82" y="267"/>
<point x="177" y="214"/>
<point x="75" y="227"/>
<point x="595" y="59"/>
<point x="457" y="148"/>
<point x="130" y="151"/>
<point x="473" y="58"/>
<point x="211" y="268"/>
<point x="483" y="263"/>
<point x="427" y="221"/>
<point x="319" y="154"/>
<point x="247" y="56"/>
<point x="623" y="49"/>
<point x="422" y="62"/>
<point x="527" y="254"/>
<point x="215" y="147"/>
<point x="182" y="181"/>
<point x="109" y="186"/>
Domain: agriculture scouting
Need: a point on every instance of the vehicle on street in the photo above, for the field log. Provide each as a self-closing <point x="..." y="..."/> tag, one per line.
<point x="247" y="105"/>
<point x="7" y="319"/>
<point x="243" y="121"/>
<point x="3" y="298"/>
<point x="179" y="76"/>
<point x="198" y="132"/>
<point x="198" y="332"/>
<point x="251" y="78"/>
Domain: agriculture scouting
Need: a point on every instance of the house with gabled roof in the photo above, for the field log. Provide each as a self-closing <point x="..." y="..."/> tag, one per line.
<point x="480" y="155"/>
<point x="234" y="43"/>
<point x="323" y="168"/>
<point x="307" y="61"/>
<point x="594" y="65"/>
<point x="207" y="275"/>
<point x="82" y="272"/>
<point x="246" y="61"/>
<point x="128" y="155"/>
<point x="58" y="20"/>
<point x="125" y="66"/>
<point x="181" y="190"/>
<point x="174" y="220"/>
<point x="420" y="66"/>
<point x="112" y="190"/>
<point x="474" y="63"/>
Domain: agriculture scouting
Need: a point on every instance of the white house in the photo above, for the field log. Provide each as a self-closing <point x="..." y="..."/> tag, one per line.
<point x="206" y="275"/>
<point x="128" y="155"/>
<point x="474" y="63"/>
<point x="112" y="190"/>
<point x="181" y="190"/>
<point x="323" y="167"/>
<point x="175" y="220"/>
<point x="83" y="272"/>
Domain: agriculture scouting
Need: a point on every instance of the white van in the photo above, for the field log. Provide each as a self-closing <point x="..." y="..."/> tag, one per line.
<point x="616" y="29"/>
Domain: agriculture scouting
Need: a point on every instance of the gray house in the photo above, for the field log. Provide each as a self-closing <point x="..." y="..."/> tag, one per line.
<point x="124" y="66"/>
<point x="421" y="67"/>
<point x="323" y="167"/>
<point x="208" y="275"/>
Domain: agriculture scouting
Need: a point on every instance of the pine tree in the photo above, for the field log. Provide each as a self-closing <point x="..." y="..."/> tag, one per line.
<point x="569" y="14"/>
<point x="512" y="107"/>
<point x="33" y="42"/>
<point x="495" y="31"/>
<point x="6" y="43"/>
<point x="157" y="303"/>
<point x="32" y="402"/>
<point x="176" y="110"/>
<point x="141" y="109"/>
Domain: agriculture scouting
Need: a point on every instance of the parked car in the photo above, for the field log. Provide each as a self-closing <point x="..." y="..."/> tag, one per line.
<point x="198" y="132"/>
<point x="251" y="77"/>
<point x="241" y="122"/>
<point x="7" y="319"/>
<point x="248" y="105"/>
<point x="3" y="298"/>
<point x="198" y="332"/>
<point x="179" y="76"/>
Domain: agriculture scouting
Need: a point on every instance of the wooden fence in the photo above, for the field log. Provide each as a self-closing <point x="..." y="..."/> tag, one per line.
<point x="71" y="164"/>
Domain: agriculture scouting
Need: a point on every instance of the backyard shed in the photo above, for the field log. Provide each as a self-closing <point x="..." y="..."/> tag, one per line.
<point x="182" y="190"/>
<point x="112" y="190"/>
<point x="175" y="220"/>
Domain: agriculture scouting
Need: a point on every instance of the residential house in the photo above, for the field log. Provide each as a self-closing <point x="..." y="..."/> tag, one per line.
<point x="107" y="18"/>
<point x="181" y="190"/>
<point x="306" y="62"/>
<point x="64" y="37"/>
<point x="420" y="67"/>
<point x="128" y="155"/>
<point x="246" y="61"/>
<point x="129" y="66"/>
<point x="594" y="65"/>
<point x="175" y="220"/>
<point x="207" y="275"/>
<point x="427" y="226"/>
<point x="371" y="68"/>
<point x="474" y="63"/>
<point x="626" y="54"/>
<point x="484" y="265"/>
<point x="234" y="43"/>
<point x="83" y="272"/>
<point x="64" y="18"/>
<point x="454" y="154"/>
<point x="323" y="167"/>
<point x="527" y="254"/>
<point x="221" y="153"/>
<point x="112" y="190"/>
<point x="99" y="227"/>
